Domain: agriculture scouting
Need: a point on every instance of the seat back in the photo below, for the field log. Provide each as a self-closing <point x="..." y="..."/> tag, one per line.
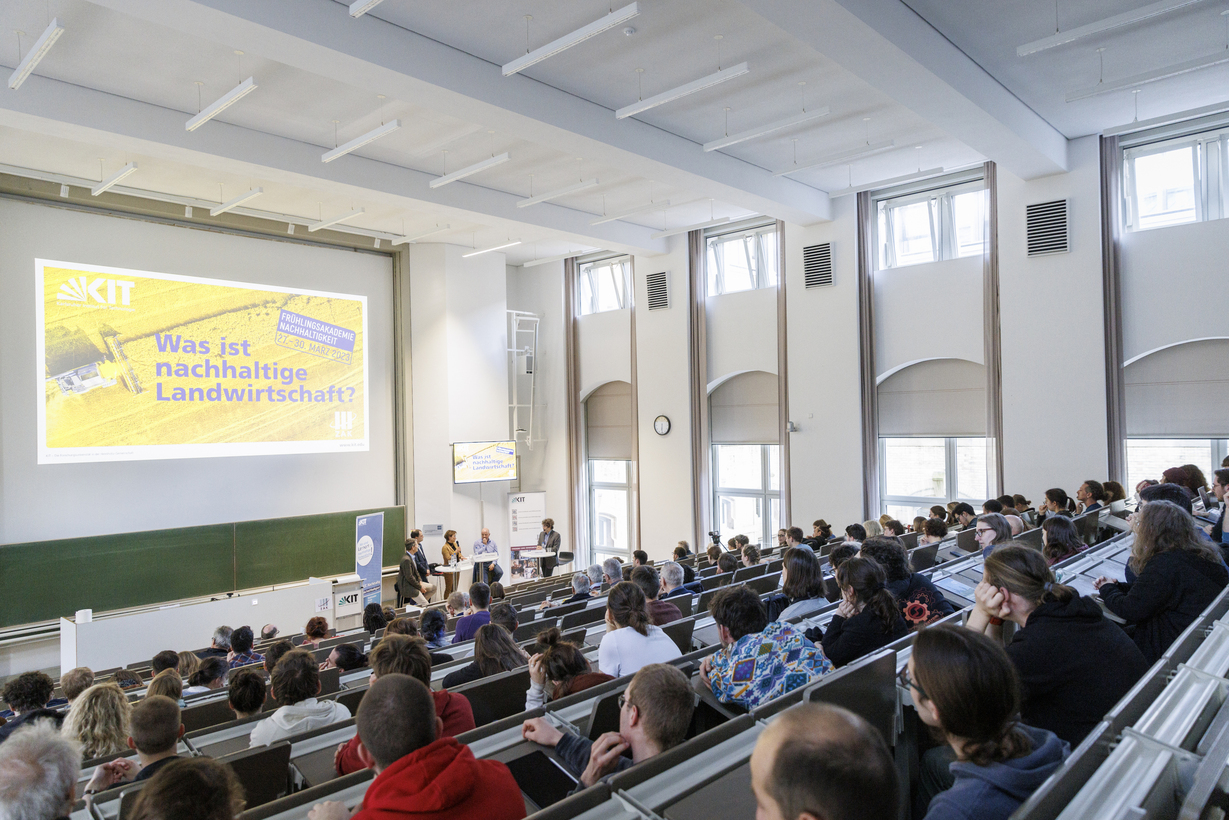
<point x="204" y="715"/>
<point x="684" y="603"/>
<point x="832" y="590"/>
<point x="583" y="617"/>
<point x="747" y="573"/>
<point x="497" y="696"/>
<point x="128" y="798"/>
<point x="351" y="698"/>
<point x="604" y="716"/>
<point x="530" y="629"/>
<point x="308" y="797"/>
<point x="764" y="584"/>
<point x="264" y="772"/>
<point x="330" y="681"/>
<point x="924" y="557"/>
<point x="568" y="609"/>
<point x="680" y="632"/>
<point x="714" y="581"/>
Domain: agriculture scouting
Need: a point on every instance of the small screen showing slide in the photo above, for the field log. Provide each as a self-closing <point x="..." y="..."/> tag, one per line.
<point x="474" y="461"/>
<point x="141" y="365"/>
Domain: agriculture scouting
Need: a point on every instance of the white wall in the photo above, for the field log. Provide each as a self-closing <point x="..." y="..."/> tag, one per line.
<point x="662" y="367"/>
<point x="824" y="393"/>
<point x="1053" y="344"/>
<point x="604" y="348"/>
<point x="458" y="335"/>
<point x="742" y="333"/>
<point x="931" y="311"/>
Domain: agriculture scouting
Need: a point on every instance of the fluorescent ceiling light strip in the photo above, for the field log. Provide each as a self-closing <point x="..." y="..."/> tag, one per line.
<point x="682" y="91"/>
<point x="37" y="52"/>
<point x="699" y="226"/>
<point x="1151" y="77"/>
<point x="836" y="159"/>
<point x="568" y="40"/>
<point x="488" y="250"/>
<point x="410" y="240"/>
<point x="652" y="206"/>
<point x="470" y="170"/>
<point x="324" y="223"/>
<point x="797" y="119"/>
<point x="886" y="183"/>
<point x="360" y="7"/>
<point x="236" y="202"/>
<point x="1127" y="18"/>
<point x="558" y="192"/>
<point x="1167" y="119"/>
<point x="358" y="142"/>
<point x="533" y="263"/>
<point x="113" y="179"/>
<point x="221" y="104"/>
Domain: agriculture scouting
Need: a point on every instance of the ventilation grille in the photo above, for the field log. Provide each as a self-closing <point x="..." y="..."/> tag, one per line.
<point x="817" y="264"/>
<point x="659" y="290"/>
<point x="1047" y="228"/>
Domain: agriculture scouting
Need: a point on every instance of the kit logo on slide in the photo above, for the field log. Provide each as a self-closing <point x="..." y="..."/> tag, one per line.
<point x="81" y="289"/>
<point x="343" y="423"/>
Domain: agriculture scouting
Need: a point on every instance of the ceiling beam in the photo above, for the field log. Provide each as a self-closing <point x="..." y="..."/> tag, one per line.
<point x="318" y="36"/>
<point x="72" y="112"/>
<point x="888" y="45"/>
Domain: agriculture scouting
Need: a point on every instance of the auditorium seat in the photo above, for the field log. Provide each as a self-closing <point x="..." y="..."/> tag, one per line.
<point x="264" y="772"/>
<point x="348" y="789"/>
<point x="210" y="713"/>
<point x="128" y="799"/>
<point x="747" y="573"/>
<point x="680" y="632"/>
<point x="714" y="581"/>
<point x="496" y="696"/>
<point x="684" y="603"/>
<point x="764" y="584"/>
<point x="582" y="618"/>
<point x="529" y="630"/>
<point x="923" y="557"/>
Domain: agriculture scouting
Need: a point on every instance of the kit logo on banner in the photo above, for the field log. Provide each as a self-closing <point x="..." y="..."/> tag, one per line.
<point x="82" y="289"/>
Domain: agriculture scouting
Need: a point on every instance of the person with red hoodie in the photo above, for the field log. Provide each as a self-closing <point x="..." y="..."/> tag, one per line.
<point x="421" y="775"/>
<point x="405" y="655"/>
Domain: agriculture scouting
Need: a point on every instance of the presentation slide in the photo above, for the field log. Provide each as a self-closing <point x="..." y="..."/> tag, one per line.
<point x="474" y="461"/>
<point x="139" y="365"/>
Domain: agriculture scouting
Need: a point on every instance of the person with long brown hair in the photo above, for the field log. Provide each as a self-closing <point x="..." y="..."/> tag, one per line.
<point x="494" y="652"/>
<point x="802" y="586"/>
<point x="559" y="669"/>
<point x="868" y="617"/>
<point x="920" y="601"/>
<point x="1178" y="573"/>
<point x="1073" y="662"/>
<point x="965" y="688"/>
<point x="631" y="641"/>
<point x="1060" y="539"/>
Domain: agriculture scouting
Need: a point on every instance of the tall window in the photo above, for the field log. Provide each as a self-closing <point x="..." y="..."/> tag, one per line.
<point x="605" y="285"/>
<point x="609" y="510"/>
<point x="1175" y="181"/>
<point x="747" y="491"/>
<point x="944" y="223"/>
<point x="918" y="473"/>
<point x="1149" y="457"/>
<point x="745" y="260"/>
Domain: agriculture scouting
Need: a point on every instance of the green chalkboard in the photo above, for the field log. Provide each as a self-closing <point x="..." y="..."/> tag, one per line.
<point x="281" y="549"/>
<point x="45" y="580"/>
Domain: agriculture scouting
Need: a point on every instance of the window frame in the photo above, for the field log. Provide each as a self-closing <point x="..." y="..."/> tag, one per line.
<point x="763" y="275"/>
<point x="944" y="239"/>
<point x="599" y="554"/>
<point x="766" y="495"/>
<point x="951" y="476"/>
<point x="1218" y="448"/>
<point x="587" y="273"/>
<point x="1210" y="161"/>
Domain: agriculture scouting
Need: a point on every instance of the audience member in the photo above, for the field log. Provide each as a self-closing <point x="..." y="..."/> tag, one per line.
<point x="274" y="653"/>
<point x="1021" y="503"/>
<point x="714" y="553"/>
<point x="75" y="681"/>
<point x="505" y="615"/>
<point x="580" y="589"/>
<point x="401" y="626"/>
<point x="268" y="632"/>
<point x="1074" y="664"/>
<point x="802" y="586"/>
<point x="494" y="652"/>
<point x="241" y="652"/>
<point x="822" y="761"/>
<point x="685" y="547"/>
<point x="479" y="601"/>
<point x="38" y="774"/>
<point x="1179" y="477"/>
<point x="156" y="730"/>
<point x="681" y="552"/>
<point x="992" y="531"/>
<point x="1114" y="492"/>
<point x="295" y="684"/>
<point x="196" y="788"/>
<point x="868" y="617"/>
<point x="938" y="512"/>
<point x="458" y="604"/>
<point x="166" y="659"/>
<point x="317" y="630"/>
<point x="558" y="670"/>
<point x="1056" y="501"/>
<point x="1179" y="572"/>
<point x="594" y="571"/>
<point x="782" y="539"/>
<point x="400" y="655"/>
<point x="872" y="527"/>
<point x="965" y="687"/>
<point x="673" y="580"/>
<point x="420" y="773"/>
<point x="1172" y="493"/>
<point x="612" y="571"/>
<point x="220" y="647"/>
<point x="660" y="612"/>
<point x="189" y="662"/>
<point x="129" y="679"/>
<point x="822" y="530"/>
<point x="247" y="693"/>
<point x="919" y="600"/>
<point x="726" y="563"/>
<point x="1196" y="480"/>
<point x="631" y="640"/>
<point x="758" y="660"/>
<point x="1090" y="495"/>
<point x="211" y="674"/>
<point x="1060" y="539"/>
<point x="842" y="553"/>
<point x="640" y="558"/>
<point x="28" y="695"/>
<point x="992" y="505"/>
<point x="750" y="556"/>
<point x="963" y="514"/>
<point x="99" y="720"/>
<point x="933" y="532"/>
<point x="168" y="684"/>
<point x="373" y="618"/>
<point x="497" y="591"/>
<point x="1220" y="488"/>
<point x="919" y="525"/>
<point x="1016" y="523"/>
<point x="654" y="715"/>
<point x="894" y="527"/>
<point x="347" y="657"/>
<point x="433" y="625"/>
<point x="855" y="533"/>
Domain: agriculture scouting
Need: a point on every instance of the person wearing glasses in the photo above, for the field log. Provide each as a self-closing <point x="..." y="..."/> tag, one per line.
<point x="965" y="687"/>
<point x="654" y="715"/>
<point x="992" y="530"/>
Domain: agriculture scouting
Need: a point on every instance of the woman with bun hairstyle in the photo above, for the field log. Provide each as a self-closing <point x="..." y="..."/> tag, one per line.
<point x="558" y="669"/>
<point x="965" y="688"/>
<point x="1074" y="664"/>
<point x="631" y="640"/>
<point x="1056" y="501"/>
<point x="868" y="617"/>
<point x="317" y="630"/>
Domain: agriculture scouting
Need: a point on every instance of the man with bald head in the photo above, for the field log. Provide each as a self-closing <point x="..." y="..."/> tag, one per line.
<point x="1017" y="524"/>
<point x="822" y="762"/>
<point x="483" y="572"/>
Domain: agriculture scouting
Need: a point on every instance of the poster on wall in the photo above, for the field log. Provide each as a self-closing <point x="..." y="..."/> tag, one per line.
<point x="525" y="514"/>
<point x="369" y="554"/>
<point x="137" y="365"/>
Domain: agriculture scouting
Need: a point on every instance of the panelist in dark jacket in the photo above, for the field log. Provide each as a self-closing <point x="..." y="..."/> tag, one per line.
<point x="549" y="540"/>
